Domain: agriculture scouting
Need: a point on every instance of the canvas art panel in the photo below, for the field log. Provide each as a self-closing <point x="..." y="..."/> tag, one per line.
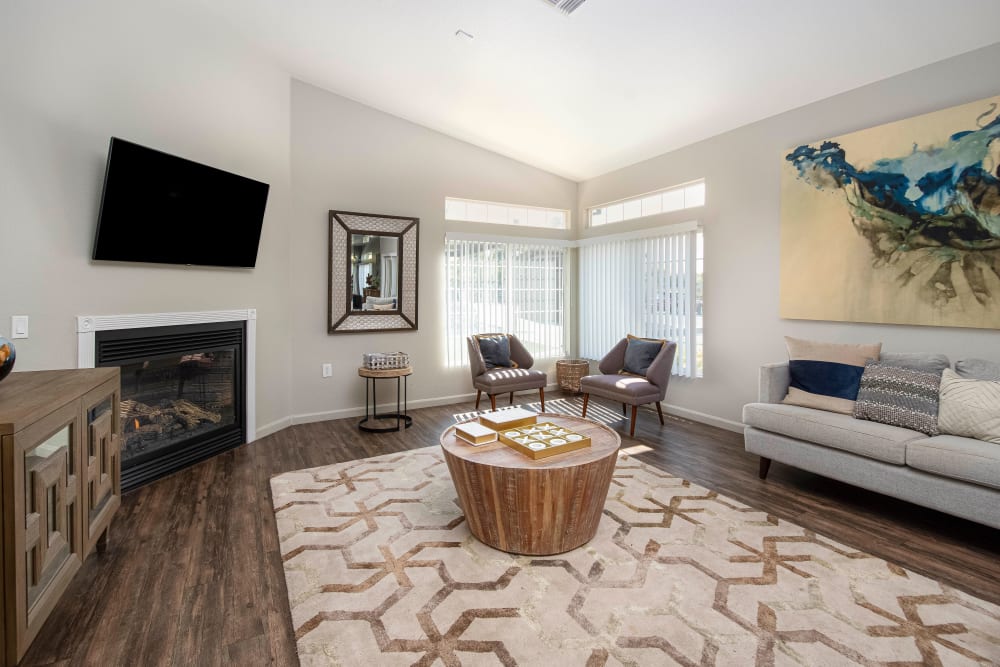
<point x="898" y="223"/>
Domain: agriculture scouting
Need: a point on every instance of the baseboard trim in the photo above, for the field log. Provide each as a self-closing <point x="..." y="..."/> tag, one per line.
<point x="703" y="418"/>
<point x="359" y="411"/>
<point x="273" y="427"/>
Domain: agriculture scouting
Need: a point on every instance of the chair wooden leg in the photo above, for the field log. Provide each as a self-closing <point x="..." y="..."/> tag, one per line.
<point x="586" y="399"/>
<point x="479" y="395"/>
<point x="541" y="395"/>
<point x="493" y="402"/>
<point x="512" y="398"/>
<point x="765" y="466"/>
<point x="659" y="411"/>
<point x="631" y="430"/>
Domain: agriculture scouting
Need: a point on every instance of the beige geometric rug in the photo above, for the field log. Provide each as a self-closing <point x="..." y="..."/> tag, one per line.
<point x="382" y="570"/>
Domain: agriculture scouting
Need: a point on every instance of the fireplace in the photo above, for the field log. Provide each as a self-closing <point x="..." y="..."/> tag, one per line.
<point x="184" y="389"/>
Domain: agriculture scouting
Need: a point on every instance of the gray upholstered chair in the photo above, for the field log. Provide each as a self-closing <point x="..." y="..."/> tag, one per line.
<point x="495" y="381"/>
<point x="627" y="389"/>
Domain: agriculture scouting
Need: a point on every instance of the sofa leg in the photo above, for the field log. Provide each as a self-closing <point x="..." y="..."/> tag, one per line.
<point x="479" y="395"/>
<point x="631" y="430"/>
<point x="586" y="399"/>
<point x="493" y="402"/>
<point x="765" y="465"/>
<point x="624" y="413"/>
<point x="512" y="398"/>
<point x="541" y="395"/>
<point x="659" y="411"/>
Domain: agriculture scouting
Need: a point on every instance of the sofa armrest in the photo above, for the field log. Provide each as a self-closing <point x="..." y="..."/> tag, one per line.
<point x="774" y="381"/>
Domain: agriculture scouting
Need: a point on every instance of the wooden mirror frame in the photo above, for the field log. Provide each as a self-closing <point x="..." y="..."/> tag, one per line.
<point x="341" y="319"/>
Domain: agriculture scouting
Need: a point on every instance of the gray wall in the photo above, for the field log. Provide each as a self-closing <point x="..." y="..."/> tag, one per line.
<point x="351" y="157"/>
<point x="71" y="76"/>
<point x="741" y="221"/>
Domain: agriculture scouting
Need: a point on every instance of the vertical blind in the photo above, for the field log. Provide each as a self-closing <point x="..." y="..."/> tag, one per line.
<point x="505" y="287"/>
<point x="650" y="287"/>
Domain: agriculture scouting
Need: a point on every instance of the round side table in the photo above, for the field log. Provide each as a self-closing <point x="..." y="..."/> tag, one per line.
<point x="403" y="420"/>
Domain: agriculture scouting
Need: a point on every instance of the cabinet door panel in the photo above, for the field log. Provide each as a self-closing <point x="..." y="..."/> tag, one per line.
<point x="101" y="467"/>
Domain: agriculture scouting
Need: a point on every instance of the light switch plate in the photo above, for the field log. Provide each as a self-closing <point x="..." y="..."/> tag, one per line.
<point x="19" y="326"/>
<point x="327" y="370"/>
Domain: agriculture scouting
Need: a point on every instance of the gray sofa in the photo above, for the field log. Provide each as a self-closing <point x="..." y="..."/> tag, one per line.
<point x="960" y="476"/>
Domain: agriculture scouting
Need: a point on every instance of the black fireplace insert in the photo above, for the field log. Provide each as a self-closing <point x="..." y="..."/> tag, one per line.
<point x="183" y="394"/>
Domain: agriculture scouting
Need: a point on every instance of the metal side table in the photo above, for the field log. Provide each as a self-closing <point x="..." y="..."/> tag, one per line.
<point x="403" y="420"/>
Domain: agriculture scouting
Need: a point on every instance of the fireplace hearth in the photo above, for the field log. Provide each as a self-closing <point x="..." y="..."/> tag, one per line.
<point x="183" y="394"/>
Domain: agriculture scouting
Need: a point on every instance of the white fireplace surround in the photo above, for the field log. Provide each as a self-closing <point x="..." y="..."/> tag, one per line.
<point x="88" y="325"/>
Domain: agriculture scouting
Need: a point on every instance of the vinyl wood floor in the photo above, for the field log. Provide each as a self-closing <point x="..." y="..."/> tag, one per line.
<point x="193" y="576"/>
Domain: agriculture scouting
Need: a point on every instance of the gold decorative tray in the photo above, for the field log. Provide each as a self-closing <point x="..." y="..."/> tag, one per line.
<point x="543" y="439"/>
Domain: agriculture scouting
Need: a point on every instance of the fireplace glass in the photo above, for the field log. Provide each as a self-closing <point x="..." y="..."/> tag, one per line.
<point x="170" y="400"/>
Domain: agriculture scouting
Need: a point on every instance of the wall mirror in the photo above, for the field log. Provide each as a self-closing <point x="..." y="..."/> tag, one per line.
<point x="373" y="272"/>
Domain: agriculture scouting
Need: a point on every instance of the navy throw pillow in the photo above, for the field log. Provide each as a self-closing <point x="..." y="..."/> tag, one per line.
<point x="495" y="351"/>
<point x="639" y="354"/>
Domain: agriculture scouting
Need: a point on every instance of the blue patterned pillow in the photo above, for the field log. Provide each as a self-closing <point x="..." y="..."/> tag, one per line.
<point x="826" y="376"/>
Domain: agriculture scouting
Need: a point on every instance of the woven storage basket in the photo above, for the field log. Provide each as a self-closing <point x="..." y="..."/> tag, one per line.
<point x="385" y="360"/>
<point x="569" y="372"/>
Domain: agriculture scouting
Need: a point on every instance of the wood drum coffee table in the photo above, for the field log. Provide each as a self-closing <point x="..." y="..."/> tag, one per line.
<point x="519" y="505"/>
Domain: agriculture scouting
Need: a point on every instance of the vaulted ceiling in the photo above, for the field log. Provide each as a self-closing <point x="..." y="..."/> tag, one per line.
<point x="617" y="81"/>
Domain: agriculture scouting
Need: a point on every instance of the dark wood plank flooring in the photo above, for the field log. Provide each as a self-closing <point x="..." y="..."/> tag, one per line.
<point x="193" y="575"/>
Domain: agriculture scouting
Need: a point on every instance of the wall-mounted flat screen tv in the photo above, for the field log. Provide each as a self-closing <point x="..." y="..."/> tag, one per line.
<point x="164" y="209"/>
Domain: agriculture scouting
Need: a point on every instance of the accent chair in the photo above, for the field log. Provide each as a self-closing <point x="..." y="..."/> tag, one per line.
<point x="502" y="380"/>
<point x="628" y="389"/>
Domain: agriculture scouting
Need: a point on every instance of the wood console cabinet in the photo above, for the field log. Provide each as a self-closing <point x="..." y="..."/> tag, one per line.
<point x="60" y="485"/>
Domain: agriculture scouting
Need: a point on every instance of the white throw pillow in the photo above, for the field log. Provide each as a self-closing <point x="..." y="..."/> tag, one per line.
<point x="969" y="408"/>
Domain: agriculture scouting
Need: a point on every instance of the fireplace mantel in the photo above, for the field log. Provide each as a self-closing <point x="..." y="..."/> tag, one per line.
<point x="88" y="325"/>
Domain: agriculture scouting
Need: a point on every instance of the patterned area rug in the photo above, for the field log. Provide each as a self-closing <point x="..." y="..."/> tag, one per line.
<point x="382" y="570"/>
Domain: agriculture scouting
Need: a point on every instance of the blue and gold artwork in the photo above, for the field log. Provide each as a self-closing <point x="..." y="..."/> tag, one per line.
<point x="898" y="223"/>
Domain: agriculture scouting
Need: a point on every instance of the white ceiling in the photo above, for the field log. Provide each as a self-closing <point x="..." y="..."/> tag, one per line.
<point x="618" y="81"/>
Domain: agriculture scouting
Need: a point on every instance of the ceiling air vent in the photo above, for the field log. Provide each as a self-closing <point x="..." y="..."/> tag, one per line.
<point x="565" y="6"/>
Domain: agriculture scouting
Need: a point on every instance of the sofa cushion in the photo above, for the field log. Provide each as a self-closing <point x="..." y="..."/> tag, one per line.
<point x="869" y="439"/>
<point x="951" y="456"/>
<point x="623" y="388"/>
<point x="978" y="369"/>
<point x="899" y="396"/>
<point x="826" y="376"/>
<point x="970" y="408"/>
<point x="918" y="361"/>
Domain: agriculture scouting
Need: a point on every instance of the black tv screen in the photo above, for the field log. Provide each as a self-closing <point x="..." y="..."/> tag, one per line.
<point x="165" y="209"/>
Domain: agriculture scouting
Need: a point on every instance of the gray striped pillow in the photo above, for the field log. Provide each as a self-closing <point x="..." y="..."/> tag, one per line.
<point x="899" y="397"/>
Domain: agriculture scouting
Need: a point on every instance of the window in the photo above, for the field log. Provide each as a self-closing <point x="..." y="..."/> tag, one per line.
<point x="467" y="210"/>
<point x="672" y="199"/>
<point x="650" y="286"/>
<point x="508" y="287"/>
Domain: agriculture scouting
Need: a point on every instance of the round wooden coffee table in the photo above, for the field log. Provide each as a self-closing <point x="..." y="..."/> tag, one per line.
<point x="519" y="505"/>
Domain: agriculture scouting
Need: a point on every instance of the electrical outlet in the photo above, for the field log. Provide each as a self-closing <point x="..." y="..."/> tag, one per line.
<point x="19" y="326"/>
<point x="327" y="370"/>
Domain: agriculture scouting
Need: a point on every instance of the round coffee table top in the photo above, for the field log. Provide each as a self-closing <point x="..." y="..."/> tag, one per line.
<point x="384" y="372"/>
<point x="603" y="443"/>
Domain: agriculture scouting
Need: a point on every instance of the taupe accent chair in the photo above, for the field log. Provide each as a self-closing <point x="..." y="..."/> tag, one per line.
<point x="500" y="380"/>
<point x="627" y="389"/>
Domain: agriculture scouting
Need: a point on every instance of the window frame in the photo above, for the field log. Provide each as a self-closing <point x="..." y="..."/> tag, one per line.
<point x="618" y="209"/>
<point x="494" y="209"/>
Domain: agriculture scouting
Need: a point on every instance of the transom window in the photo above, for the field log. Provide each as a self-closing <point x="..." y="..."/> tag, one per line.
<point x="676" y="198"/>
<point x="469" y="210"/>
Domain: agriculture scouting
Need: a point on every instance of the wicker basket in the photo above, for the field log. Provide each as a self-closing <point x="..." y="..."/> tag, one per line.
<point x="569" y="372"/>
<point x="385" y="360"/>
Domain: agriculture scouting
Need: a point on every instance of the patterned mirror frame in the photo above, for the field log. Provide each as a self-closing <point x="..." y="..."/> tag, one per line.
<point x="341" y="318"/>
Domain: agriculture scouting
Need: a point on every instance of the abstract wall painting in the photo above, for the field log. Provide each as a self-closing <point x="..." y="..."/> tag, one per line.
<point x="898" y="223"/>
